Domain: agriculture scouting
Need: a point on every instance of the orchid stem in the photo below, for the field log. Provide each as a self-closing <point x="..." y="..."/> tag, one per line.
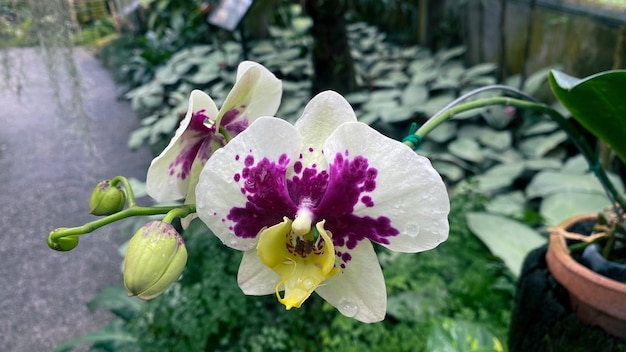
<point x="130" y="195"/>
<point x="179" y="212"/>
<point x="59" y="233"/>
<point x="452" y="110"/>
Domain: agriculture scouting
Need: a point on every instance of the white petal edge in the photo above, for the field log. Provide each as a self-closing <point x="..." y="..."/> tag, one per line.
<point x="409" y="190"/>
<point x="159" y="184"/>
<point x="321" y="116"/>
<point x="217" y="191"/>
<point x="256" y="88"/>
<point x="359" y="291"/>
<point x="254" y="277"/>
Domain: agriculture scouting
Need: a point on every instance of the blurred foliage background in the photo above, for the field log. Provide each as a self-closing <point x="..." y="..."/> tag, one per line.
<point x="404" y="60"/>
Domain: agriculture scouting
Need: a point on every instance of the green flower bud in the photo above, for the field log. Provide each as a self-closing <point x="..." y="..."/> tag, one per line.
<point x="62" y="244"/>
<point x="155" y="258"/>
<point x="106" y="200"/>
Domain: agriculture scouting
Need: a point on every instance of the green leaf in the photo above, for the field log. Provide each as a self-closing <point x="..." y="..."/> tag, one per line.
<point x="414" y="94"/>
<point x="576" y="165"/>
<point x="450" y="171"/>
<point x="546" y="183"/>
<point x="499" y="177"/>
<point x="543" y="164"/>
<point x="433" y="105"/>
<point x="452" y="335"/>
<point x="496" y="140"/>
<point x="424" y="76"/>
<point x="538" y="146"/>
<point x="506" y="156"/>
<point x="166" y="75"/>
<point x="417" y="306"/>
<point x="138" y="136"/>
<point x="558" y="207"/>
<point x="445" y="55"/>
<point x="496" y="116"/>
<point x="113" y="332"/>
<point x="115" y="299"/>
<point x="508" y="204"/>
<point x="480" y="70"/>
<point x="506" y="238"/>
<point x="397" y="114"/>
<point x="443" y="132"/>
<point x="384" y="95"/>
<point x="536" y="80"/>
<point x="357" y="97"/>
<point x="540" y="127"/>
<point x="598" y="103"/>
<point x="466" y="149"/>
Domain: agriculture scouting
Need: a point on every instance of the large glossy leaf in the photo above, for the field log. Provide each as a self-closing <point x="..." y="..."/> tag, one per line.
<point x="598" y="103"/>
<point x="506" y="238"/>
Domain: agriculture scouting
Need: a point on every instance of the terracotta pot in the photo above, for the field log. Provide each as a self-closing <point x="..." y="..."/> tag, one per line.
<point x="596" y="299"/>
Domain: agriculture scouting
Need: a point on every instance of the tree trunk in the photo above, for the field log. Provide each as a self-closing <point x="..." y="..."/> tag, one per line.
<point x="332" y="61"/>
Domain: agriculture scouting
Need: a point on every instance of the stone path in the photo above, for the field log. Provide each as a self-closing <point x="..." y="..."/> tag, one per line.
<point x="46" y="176"/>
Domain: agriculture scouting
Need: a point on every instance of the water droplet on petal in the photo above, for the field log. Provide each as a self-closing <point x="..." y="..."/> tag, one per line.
<point x="347" y="308"/>
<point x="412" y="230"/>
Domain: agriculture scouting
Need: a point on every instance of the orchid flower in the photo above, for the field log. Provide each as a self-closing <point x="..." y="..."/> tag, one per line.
<point x="174" y="174"/>
<point x="305" y="201"/>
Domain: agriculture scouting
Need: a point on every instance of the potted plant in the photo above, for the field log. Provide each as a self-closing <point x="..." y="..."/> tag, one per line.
<point x="596" y="286"/>
<point x="550" y="313"/>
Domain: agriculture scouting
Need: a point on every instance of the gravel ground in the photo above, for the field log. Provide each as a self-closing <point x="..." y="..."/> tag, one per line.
<point x="47" y="172"/>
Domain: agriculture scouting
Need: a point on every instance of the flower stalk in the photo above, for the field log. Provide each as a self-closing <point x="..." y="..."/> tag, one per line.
<point x="571" y="130"/>
<point x="130" y="195"/>
<point x="57" y="235"/>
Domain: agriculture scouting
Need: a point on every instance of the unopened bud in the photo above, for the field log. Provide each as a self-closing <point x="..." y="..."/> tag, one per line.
<point x="62" y="244"/>
<point x="155" y="258"/>
<point x="106" y="199"/>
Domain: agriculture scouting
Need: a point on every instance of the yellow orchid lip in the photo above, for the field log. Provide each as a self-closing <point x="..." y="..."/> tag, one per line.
<point x="302" y="262"/>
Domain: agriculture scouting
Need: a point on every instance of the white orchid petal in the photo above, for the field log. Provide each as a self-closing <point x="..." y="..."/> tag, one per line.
<point x="321" y="116"/>
<point x="407" y="191"/>
<point x="221" y="182"/>
<point x="161" y="183"/>
<point x="257" y="92"/>
<point x="254" y="277"/>
<point x="359" y="290"/>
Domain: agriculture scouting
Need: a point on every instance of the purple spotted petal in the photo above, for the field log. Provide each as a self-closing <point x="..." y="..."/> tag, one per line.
<point x="170" y="173"/>
<point x="195" y="144"/>
<point x="264" y="186"/>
